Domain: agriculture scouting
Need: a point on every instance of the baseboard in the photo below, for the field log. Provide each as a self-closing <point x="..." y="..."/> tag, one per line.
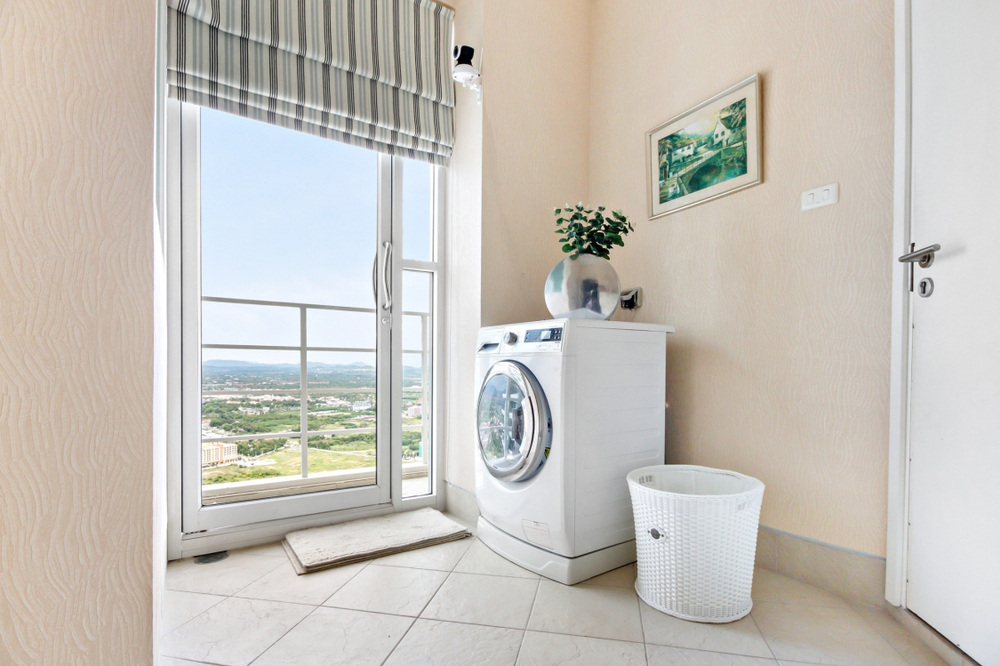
<point x="853" y="575"/>
<point x="461" y="503"/>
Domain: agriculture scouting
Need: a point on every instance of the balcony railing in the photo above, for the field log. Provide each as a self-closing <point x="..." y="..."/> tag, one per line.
<point x="292" y="484"/>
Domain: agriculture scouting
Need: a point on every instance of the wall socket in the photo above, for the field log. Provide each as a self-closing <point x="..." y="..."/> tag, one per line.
<point x="821" y="196"/>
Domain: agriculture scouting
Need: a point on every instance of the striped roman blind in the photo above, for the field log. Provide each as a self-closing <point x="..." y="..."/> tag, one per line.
<point x="372" y="73"/>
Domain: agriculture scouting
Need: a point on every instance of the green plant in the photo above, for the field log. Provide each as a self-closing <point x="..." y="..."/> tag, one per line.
<point x="586" y="231"/>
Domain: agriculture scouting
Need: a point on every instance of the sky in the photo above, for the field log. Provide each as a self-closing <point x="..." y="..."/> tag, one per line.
<point x="289" y="216"/>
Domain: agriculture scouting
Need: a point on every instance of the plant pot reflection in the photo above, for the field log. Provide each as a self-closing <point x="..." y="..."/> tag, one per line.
<point x="583" y="287"/>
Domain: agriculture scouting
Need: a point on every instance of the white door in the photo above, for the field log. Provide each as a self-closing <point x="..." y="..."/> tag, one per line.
<point x="953" y="555"/>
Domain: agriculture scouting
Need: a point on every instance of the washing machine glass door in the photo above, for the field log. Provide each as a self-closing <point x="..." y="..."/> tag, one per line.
<point x="514" y="424"/>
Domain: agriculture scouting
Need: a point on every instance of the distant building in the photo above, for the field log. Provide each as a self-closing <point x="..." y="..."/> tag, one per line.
<point x="725" y="130"/>
<point x="361" y="406"/>
<point x="413" y="411"/>
<point x="218" y="453"/>
<point x="682" y="153"/>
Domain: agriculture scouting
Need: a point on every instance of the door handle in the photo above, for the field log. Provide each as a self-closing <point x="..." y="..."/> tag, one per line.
<point x="387" y="274"/>
<point x="924" y="257"/>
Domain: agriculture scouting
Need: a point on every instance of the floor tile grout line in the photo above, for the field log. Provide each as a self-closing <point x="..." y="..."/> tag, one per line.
<point x="907" y="632"/>
<point x="539" y="631"/>
<point x="856" y="613"/>
<point x="436" y="591"/>
<point x="761" y="633"/>
<point x="642" y="627"/>
<point x="340" y="587"/>
<point x="846" y="606"/>
<point x="474" y="573"/>
<point x="794" y="603"/>
<point x="889" y="643"/>
<point x="204" y="594"/>
<point x="413" y="622"/>
<point x="290" y="603"/>
<point x="417" y="617"/>
<point x="233" y="594"/>
<point x="729" y="654"/>
<point x="196" y="615"/>
<point x="527" y="621"/>
<point x="557" y="633"/>
<point x="807" y="663"/>
<point x="290" y="630"/>
<point x="851" y="608"/>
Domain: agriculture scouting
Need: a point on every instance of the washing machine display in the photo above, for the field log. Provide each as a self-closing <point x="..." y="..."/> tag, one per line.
<point x="514" y="424"/>
<point x="543" y="335"/>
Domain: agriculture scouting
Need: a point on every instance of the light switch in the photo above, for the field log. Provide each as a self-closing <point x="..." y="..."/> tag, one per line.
<point x="826" y="195"/>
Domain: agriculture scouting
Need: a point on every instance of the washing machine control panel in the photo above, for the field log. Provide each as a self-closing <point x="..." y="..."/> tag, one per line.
<point x="544" y="339"/>
<point x="543" y="335"/>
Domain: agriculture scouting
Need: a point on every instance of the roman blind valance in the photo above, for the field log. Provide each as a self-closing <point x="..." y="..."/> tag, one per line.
<point x="372" y="73"/>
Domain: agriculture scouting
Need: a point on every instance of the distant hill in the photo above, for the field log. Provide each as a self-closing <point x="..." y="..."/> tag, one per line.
<point x="222" y="364"/>
<point x="226" y="364"/>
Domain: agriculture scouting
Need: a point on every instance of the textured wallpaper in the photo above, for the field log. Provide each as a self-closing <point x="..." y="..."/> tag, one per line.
<point x="76" y="300"/>
<point x="780" y="365"/>
<point x="535" y="148"/>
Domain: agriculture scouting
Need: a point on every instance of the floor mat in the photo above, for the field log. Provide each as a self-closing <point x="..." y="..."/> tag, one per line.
<point x="335" y="545"/>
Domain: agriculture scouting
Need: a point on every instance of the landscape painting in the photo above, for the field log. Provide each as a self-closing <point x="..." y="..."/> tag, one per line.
<point x="706" y="152"/>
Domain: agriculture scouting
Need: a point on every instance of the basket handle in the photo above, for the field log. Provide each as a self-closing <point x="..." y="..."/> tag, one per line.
<point x="657" y="534"/>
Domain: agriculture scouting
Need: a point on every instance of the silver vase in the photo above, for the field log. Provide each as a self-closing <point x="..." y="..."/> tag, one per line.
<point x="584" y="287"/>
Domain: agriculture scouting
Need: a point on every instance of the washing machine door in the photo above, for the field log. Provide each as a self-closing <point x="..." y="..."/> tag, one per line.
<point x="515" y="429"/>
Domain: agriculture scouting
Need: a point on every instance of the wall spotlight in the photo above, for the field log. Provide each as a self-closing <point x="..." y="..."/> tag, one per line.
<point x="464" y="72"/>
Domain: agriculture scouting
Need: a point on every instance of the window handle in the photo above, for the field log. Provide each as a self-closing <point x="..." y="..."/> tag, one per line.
<point x="387" y="274"/>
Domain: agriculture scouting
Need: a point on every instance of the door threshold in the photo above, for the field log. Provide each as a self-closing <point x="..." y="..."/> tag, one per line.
<point x="244" y="536"/>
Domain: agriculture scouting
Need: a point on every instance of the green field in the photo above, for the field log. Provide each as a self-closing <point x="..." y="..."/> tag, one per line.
<point x="287" y="462"/>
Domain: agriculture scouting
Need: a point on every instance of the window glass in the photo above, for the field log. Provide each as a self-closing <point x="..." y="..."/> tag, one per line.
<point x="417" y="225"/>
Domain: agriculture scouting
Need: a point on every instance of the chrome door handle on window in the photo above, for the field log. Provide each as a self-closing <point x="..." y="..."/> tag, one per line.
<point x="387" y="274"/>
<point x="923" y="257"/>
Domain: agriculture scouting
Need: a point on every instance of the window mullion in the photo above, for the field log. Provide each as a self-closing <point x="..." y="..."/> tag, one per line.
<point x="303" y="393"/>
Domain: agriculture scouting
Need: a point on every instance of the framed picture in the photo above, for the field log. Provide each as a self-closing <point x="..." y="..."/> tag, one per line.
<point x="705" y="153"/>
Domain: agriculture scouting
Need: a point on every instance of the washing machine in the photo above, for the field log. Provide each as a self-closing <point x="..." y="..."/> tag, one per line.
<point x="566" y="409"/>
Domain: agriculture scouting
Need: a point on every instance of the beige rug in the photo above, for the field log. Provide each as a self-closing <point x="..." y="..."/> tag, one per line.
<point x="335" y="545"/>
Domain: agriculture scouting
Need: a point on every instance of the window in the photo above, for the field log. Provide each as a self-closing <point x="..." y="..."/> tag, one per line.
<point x="303" y="379"/>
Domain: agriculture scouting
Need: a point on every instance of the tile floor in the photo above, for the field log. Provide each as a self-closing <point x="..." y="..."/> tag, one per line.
<point x="461" y="604"/>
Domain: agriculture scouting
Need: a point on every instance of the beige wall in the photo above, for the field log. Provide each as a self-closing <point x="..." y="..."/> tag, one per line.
<point x="535" y="157"/>
<point x="780" y="364"/>
<point x="76" y="300"/>
<point x="517" y="155"/>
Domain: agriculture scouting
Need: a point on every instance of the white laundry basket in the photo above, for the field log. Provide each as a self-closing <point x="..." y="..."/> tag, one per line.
<point x="695" y="539"/>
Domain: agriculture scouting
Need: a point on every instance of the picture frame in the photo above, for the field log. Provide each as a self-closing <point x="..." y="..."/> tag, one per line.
<point x="707" y="152"/>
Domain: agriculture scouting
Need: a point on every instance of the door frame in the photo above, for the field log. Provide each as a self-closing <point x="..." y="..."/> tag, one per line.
<point x="180" y="544"/>
<point x="899" y="386"/>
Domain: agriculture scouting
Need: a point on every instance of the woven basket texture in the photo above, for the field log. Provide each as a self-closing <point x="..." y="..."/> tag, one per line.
<point x="695" y="537"/>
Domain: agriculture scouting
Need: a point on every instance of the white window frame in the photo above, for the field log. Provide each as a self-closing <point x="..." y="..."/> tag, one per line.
<point x="270" y="525"/>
